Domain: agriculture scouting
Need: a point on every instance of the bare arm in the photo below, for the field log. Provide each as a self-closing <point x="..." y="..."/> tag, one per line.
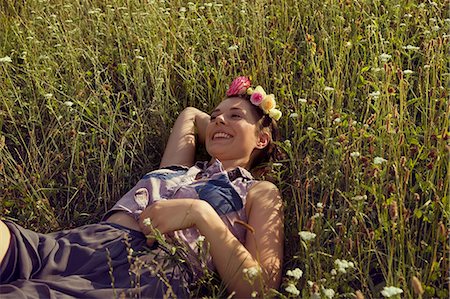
<point x="262" y="249"/>
<point x="180" y="148"/>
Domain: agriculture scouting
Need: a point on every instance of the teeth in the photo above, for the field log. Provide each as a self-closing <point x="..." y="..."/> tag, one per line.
<point x="221" y="135"/>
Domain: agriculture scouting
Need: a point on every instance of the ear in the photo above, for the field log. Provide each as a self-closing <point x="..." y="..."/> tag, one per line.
<point x="263" y="139"/>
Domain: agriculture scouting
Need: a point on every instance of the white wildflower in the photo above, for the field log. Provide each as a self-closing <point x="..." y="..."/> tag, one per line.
<point x="379" y="160"/>
<point x="306" y="235"/>
<point x="319" y="205"/>
<point x="407" y="72"/>
<point x="251" y="272"/>
<point x="328" y="88"/>
<point x="6" y="59"/>
<point x="292" y="289"/>
<point x="233" y="48"/>
<point x="147" y="222"/>
<point x="343" y="265"/>
<point x="411" y="47"/>
<point x="296" y="273"/>
<point x="68" y="103"/>
<point x="436" y="28"/>
<point x="375" y="94"/>
<point x="408" y="15"/>
<point x="183" y="9"/>
<point x="337" y="120"/>
<point x="360" y="197"/>
<point x="293" y="115"/>
<point x="302" y="100"/>
<point x="310" y="283"/>
<point x="317" y="215"/>
<point x="385" y="57"/>
<point x="329" y="293"/>
<point x="310" y="129"/>
<point x="277" y="164"/>
<point x="391" y="291"/>
<point x="333" y="272"/>
<point x="355" y="154"/>
<point x="348" y="44"/>
<point x="254" y="294"/>
<point x="48" y="95"/>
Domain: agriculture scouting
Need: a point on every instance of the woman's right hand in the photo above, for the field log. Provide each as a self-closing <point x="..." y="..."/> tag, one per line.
<point x="180" y="148"/>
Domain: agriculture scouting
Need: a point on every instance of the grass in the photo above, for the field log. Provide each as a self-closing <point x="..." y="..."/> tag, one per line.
<point x="91" y="90"/>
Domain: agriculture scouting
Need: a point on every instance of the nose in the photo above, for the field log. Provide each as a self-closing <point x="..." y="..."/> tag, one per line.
<point x="220" y="119"/>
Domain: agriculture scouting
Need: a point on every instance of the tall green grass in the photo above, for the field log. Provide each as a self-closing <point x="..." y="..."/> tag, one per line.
<point x="90" y="89"/>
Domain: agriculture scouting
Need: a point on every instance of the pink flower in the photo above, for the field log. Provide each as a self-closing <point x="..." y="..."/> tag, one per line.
<point x="256" y="98"/>
<point x="239" y="86"/>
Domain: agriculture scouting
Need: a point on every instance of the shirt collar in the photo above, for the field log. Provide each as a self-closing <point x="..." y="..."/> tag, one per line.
<point x="216" y="167"/>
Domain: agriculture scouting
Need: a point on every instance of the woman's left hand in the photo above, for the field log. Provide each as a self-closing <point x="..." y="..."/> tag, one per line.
<point x="168" y="215"/>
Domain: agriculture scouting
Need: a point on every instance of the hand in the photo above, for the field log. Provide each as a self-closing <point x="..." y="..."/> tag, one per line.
<point x="168" y="216"/>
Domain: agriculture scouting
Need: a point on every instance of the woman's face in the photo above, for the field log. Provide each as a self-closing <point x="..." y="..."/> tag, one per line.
<point x="232" y="132"/>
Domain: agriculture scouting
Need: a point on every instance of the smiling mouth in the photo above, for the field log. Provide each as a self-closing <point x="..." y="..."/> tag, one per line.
<point x="221" y="135"/>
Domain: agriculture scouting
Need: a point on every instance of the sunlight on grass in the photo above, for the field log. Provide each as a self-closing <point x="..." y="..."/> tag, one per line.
<point x="88" y="94"/>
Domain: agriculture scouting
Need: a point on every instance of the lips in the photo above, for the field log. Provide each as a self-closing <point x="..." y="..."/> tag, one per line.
<point x="221" y="135"/>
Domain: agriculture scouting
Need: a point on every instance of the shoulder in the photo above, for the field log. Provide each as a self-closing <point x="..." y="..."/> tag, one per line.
<point x="264" y="194"/>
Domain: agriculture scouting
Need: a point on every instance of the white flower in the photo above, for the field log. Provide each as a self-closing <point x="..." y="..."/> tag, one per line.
<point x="327" y="88"/>
<point x="407" y="72"/>
<point x="296" y="273"/>
<point x="147" y="222"/>
<point x="337" y="120"/>
<point x="375" y="94"/>
<point x="343" y="265"/>
<point x="251" y="272"/>
<point x="293" y="115"/>
<point x="310" y="129"/>
<point x="319" y="205"/>
<point x="317" y="215"/>
<point x="355" y="154"/>
<point x="277" y="164"/>
<point x="182" y="9"/>
<point x="302" y="100"/>
<point x="333" y="272"/>
<point x="254" y="294"/>
<point x="411" y="47"/>
<point x="232" y="48"/>
<point x="48" y="95"/>
<point x="287" y="142"/>
<point x="329" y="293"/>
<point x="68" y="103"/>
<point x="359" y="197"/>
<point x="307" y="236"/>
<point x="408" y="15"/>
<point x="6" y="59"/>
<point x="391" y="291"/>
<point x="379" y="160"/>
<point x="292" y="289"/>
<point x="385" y="57"/>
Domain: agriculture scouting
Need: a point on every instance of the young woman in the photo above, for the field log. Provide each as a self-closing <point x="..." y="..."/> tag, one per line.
<point x="215" y="207"/>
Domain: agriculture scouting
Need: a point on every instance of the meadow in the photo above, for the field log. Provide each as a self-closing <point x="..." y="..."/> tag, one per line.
<point x="90" y="89"/>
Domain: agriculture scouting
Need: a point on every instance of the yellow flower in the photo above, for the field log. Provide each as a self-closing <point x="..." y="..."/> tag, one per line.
<point x="268" y="103"/>
<point x="275" y="114"/>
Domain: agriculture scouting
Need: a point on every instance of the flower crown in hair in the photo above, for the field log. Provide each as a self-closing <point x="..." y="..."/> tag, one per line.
<point x="258" y="97"/>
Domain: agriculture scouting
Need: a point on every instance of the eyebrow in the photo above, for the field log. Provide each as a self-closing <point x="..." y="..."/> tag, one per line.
<point x="233" y="108"/>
